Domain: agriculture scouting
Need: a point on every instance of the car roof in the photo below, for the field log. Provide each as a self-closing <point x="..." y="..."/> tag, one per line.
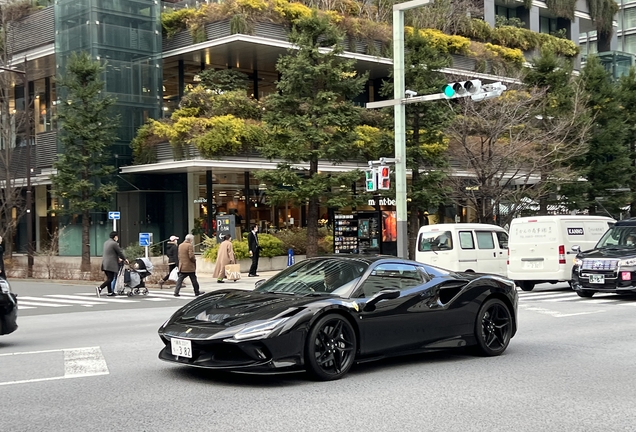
<point x="368" y="259"/>
<point x="461" y="225"/>
<point x="626" y="222"/>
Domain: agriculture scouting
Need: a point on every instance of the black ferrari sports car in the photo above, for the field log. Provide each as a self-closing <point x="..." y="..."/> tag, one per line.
<point x="8" y="309"/>
<point x="324" y="314"/>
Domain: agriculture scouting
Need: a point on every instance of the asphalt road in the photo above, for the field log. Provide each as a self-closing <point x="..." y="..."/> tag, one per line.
<point x="570" y="368"/>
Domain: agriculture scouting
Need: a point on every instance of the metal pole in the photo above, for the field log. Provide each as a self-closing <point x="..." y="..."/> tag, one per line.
<point x="29" y="198"/>
<point x="400" y="132"/>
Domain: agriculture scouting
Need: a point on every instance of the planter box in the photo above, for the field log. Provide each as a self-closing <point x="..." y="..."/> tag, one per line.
<point x="264" y="264"/>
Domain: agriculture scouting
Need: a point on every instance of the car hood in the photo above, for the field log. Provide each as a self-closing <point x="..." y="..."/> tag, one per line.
<point x="236" y="309"/>
<point x="616" y="252"/>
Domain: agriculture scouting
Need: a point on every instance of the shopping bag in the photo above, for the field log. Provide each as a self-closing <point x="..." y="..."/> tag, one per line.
<point x="120" y="283"/>
<point x="174" y="274"/>
<point x="233" y="271"/>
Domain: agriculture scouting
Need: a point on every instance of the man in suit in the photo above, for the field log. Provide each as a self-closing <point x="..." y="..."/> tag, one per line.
<point x="255" y="249"/>
<point x="111" y="257"/>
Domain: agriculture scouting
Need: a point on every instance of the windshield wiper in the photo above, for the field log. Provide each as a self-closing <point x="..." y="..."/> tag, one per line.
<point x="318" y="294"/>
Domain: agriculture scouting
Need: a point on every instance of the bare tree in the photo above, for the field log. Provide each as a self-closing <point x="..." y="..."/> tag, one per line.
<point x="506" y="154"/>
<point x="12" y="130"/>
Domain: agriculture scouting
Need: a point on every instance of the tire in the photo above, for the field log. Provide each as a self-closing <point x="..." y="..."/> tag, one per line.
<point x="585" y="293"/>
<point x="330" y="348"/>
<point x="493" y="328"/>
<point x="526" y="285"/>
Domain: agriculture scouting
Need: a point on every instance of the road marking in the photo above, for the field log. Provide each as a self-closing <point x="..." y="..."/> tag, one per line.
<point x="587" y="300"/>
<point x="46" y="299"/>
<point x="20" y="306"/>
<point x="78" y="363"/>
<point x="157" y="299"/>
<point x="30" y="303"/>
<point x="546" y="295"/>
<point x="97" y="299"/>
<point x="557" y="314"/>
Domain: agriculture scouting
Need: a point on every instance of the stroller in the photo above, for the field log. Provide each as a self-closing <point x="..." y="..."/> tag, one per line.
<point x="130" y="280"/>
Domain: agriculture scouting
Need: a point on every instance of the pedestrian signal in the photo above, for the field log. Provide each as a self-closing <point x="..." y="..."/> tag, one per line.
<point x="370" y="179"/>
<point x="384" y="178"/>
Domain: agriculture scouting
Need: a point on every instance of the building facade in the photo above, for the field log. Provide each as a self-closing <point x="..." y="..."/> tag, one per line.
<point x="149" y="73"/>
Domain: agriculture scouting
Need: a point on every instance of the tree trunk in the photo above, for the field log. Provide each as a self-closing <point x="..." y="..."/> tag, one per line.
<point x="85" y="266"/>
<point x="313" y="211"/>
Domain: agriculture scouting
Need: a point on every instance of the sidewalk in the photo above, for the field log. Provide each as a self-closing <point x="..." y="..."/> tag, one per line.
<point x="208" y="283"/>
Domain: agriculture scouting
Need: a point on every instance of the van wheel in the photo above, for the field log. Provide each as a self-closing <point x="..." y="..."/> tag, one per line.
<point x="585" y="293"/>
<point x="525" y="285"/>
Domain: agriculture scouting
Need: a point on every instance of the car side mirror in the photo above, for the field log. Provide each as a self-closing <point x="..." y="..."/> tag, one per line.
<point x="576" y="248"/>
<point x="259" y="283"/>
<point x="385" y="294"/>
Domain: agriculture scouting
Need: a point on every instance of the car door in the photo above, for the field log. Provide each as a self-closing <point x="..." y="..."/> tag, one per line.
<point x="395" y="324"/>
<point x="487" y="261"/>
<point x="502" y="252"/>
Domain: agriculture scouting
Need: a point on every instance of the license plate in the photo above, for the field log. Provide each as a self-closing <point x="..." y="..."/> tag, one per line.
<point x="530" y="265"/>
<point x="597" y="279"/>
<point x="181" y="348"/>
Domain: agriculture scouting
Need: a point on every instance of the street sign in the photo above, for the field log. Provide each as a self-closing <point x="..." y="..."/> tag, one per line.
<point x="145" y="239"/>
<point x="114" y="215"/>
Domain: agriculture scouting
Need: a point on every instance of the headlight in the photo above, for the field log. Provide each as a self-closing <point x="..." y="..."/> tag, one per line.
<point x="4" y="286"/>
<point x="258" y="331"/>
<point x="628" y="262"/>
<point x="578" y="262"/>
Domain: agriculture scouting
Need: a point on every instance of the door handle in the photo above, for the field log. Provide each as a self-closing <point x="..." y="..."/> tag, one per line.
<point x="494" y="254"/>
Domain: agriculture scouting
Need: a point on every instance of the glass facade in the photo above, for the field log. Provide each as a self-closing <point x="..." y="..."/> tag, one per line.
<point x="126" y="35"/>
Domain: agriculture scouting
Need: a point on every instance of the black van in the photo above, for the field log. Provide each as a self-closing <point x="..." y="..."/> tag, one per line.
<point x="8" y="309"/>
<point x="611" y="266"/>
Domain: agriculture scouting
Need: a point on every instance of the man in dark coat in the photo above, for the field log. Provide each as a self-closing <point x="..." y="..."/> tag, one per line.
<point x="187" y="265"/>
<point x="254" y="248"/>
<point x="173" y="258"/>
<point x="111" y="257"/>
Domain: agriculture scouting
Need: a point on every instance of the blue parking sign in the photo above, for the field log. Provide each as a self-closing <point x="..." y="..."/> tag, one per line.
<point x="145" y="239"/>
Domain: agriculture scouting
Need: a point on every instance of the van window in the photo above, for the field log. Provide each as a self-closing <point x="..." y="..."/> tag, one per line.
<point x="502" y="239"/>
<point x="435" y="240"/>
<point x="484" y="240"/>
<point x="466" y="240"/>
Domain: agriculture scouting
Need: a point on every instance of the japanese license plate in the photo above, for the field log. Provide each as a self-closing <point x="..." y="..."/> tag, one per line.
<point x="181" y="347"/>
<point x="533" y="265"/>
<point x="597" y="279"/>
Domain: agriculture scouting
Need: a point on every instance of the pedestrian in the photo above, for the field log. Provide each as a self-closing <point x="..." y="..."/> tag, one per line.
<point x="3" y="275"/>
<point x="254" y="248"/>
<point x="111" y="257"/>
<point x="172" y="252"/>
<point x="187" y="265"/>
<point x="224" y="256"/>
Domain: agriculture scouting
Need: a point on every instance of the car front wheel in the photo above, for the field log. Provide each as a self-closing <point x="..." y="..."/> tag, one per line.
<point x="331" y="347"/>
<point x="493" y="328"/>
<point x="585" y="294"/>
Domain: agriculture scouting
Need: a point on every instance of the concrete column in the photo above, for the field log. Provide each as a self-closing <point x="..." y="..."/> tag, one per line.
<point x="534" y="19"/>
<point x="489" y="12"/>
<point x="573" y="34"/>
<point x="193" y="195"/>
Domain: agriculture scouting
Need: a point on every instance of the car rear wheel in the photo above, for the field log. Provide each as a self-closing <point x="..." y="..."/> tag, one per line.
<point x="331" y="347"/>
<point x="493" y="328"/>
<point x="585" y="293"/>
<point x="525" y="285"/>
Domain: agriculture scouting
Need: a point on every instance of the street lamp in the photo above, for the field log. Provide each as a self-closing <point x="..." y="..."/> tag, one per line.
<point x="29" y="198"/>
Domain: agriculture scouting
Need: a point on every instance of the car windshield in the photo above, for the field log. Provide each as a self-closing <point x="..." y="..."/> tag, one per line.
<point x="329" y="276"/>
<point x="618" y="236"/>
<point x="435" y="240"/>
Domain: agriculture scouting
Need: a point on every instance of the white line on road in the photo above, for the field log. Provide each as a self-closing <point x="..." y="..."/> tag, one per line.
<point x="547" y="295"/>
<point x="26" y="307"/>
<point x="78" y="363"/>
<point x="96" y="299"/>
<point x="31" y="303"/>
<point x="48" y="299"/>
<point x="557" y="314"/>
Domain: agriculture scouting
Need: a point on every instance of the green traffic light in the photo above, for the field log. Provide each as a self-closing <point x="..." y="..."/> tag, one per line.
<point x="448" y="91"/>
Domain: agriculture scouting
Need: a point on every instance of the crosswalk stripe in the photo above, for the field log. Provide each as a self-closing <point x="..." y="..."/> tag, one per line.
<point x="32" y="303"/>
<point x="170" y="296"/>
<point x="26" y="307"/>
<point x="97" y="299"/>
<point x="78" y="302"/>
<point x="546" y="295"/>
<point x="156" y="299"/>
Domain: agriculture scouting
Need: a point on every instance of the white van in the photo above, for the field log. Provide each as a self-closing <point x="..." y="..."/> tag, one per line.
<point x="540" y="247"/>
<point x="471" y="247"/>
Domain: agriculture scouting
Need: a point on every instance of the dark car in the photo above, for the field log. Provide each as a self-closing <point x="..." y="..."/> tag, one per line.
<point x="611" y="266"/>
<point x="324" y="314"/>
<point x="8" y="309"/>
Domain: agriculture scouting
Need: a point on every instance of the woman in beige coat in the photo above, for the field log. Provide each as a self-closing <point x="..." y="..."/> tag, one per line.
<point x="224" y="257"/>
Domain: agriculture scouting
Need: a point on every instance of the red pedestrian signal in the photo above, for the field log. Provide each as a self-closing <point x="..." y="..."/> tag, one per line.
<point x="384" y="178"/>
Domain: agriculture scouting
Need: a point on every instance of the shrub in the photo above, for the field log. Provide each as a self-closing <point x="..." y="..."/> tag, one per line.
<point x="296" y="239"/>
<point x="271" y="247"/>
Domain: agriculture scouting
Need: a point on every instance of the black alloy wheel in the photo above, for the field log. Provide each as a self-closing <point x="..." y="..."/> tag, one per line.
<point x="585" y="293"/>
<point x="493" y="328"/>
<point x="331" y="348"/>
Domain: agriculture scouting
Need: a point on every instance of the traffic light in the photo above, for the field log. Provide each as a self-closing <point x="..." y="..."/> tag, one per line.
<point x="370" y="177"/>
<point x="489" y="91"/>
<point x="462" y="88"/>
<point x="384" y="178"/>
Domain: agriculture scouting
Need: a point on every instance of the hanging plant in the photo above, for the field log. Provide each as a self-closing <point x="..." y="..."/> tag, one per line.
<point x="527" y="4"/>
<point x="562" y="8"/>
<point x="602" y="13"/>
